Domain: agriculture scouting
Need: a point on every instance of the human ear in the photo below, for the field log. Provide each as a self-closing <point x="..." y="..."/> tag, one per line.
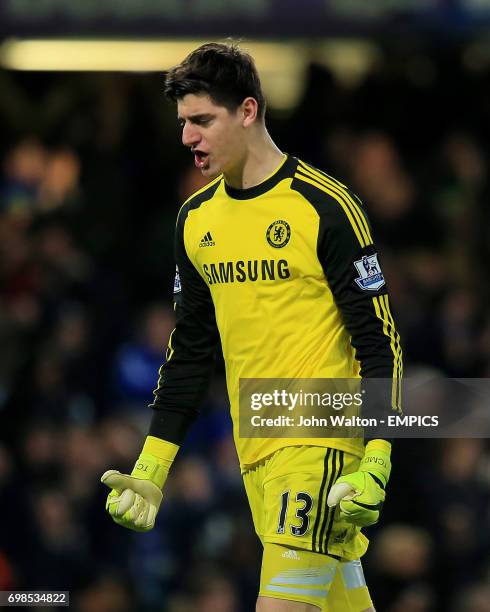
<point x="249" y="110"/>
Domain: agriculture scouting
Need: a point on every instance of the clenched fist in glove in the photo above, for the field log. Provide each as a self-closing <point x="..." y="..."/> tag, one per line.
<point x="135" y="499"/>
<point x="361" y="494"/>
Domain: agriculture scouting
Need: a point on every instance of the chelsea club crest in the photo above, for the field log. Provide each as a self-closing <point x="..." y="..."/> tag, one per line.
<point x="278" y="234"/>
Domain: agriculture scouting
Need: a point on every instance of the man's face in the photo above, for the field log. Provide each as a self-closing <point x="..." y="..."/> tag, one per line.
<point x="213" y="133"/>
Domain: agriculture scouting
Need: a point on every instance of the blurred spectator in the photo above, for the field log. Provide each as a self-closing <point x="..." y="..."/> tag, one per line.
<point x="457" y="502"/>
<point x="138" y="361"/>
<point x="215" y="594"/>
<point x="60" y="182"/>
<point x="476" y="598"/>
<point x="24" y="169"/>
<point x="108" y="593"/>
<point x="389" y="193"/>
<point x="401" y="559"/>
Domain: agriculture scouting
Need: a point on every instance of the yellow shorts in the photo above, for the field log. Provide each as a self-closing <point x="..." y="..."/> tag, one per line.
<point x="313" y="578"/>
<point x="287" y="492"/>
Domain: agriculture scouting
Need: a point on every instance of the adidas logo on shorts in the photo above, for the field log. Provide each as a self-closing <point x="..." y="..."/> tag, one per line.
<point x="290" y="554"/>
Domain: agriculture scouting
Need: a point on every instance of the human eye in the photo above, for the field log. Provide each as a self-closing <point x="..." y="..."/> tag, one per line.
<point x="204" y="121"/>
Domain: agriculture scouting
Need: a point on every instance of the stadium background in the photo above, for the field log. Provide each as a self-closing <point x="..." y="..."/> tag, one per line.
<point x="394" y="100"/>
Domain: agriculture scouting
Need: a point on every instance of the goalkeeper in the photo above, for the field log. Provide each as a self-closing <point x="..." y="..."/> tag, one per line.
<point x="275" y="261"/>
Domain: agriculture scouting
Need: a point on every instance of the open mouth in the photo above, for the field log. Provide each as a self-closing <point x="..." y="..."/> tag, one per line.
<point x="200" y="158"/>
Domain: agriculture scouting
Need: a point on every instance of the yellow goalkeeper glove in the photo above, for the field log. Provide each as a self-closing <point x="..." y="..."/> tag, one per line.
<point x="135" y="499"/>
<point x="361" y="494"/>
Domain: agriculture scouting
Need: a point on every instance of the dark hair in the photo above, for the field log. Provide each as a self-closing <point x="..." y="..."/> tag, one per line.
<point x="223" y="71"/>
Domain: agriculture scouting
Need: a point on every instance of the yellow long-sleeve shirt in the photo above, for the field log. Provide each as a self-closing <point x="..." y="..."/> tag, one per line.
<point x="285" y="275"/>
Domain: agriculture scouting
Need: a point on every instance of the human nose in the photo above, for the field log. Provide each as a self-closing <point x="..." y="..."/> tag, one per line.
<point x="190" y="135"/>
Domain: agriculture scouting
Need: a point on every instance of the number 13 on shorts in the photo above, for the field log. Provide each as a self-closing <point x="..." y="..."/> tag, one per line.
<point x="304" y="504"/>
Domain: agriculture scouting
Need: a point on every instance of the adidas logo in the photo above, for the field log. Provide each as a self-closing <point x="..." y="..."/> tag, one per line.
<point x="207" y="240"/>
<point x="339" y="538"/>
<point x="290" y="554"/>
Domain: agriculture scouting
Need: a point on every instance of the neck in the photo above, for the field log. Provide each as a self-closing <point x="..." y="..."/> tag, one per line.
<point x="261" y="158"/>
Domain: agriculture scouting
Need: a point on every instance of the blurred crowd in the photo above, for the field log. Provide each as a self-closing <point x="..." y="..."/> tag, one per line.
<point x="92" y="176"/>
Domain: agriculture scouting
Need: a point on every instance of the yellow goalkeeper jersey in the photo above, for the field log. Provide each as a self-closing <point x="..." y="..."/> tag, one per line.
<point x="286" y="276"/>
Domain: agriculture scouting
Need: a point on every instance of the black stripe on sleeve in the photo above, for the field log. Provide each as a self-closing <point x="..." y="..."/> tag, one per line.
<point x="184" y="378"/>
<point x="343" y="245"/>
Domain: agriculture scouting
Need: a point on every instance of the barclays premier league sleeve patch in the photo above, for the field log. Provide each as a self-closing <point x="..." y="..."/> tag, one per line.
<point x="370" y="276"/>
<point x="177" y="285"/>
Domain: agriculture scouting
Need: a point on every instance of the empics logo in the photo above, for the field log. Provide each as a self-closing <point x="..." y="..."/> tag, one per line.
<point x="207" y="240"/>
